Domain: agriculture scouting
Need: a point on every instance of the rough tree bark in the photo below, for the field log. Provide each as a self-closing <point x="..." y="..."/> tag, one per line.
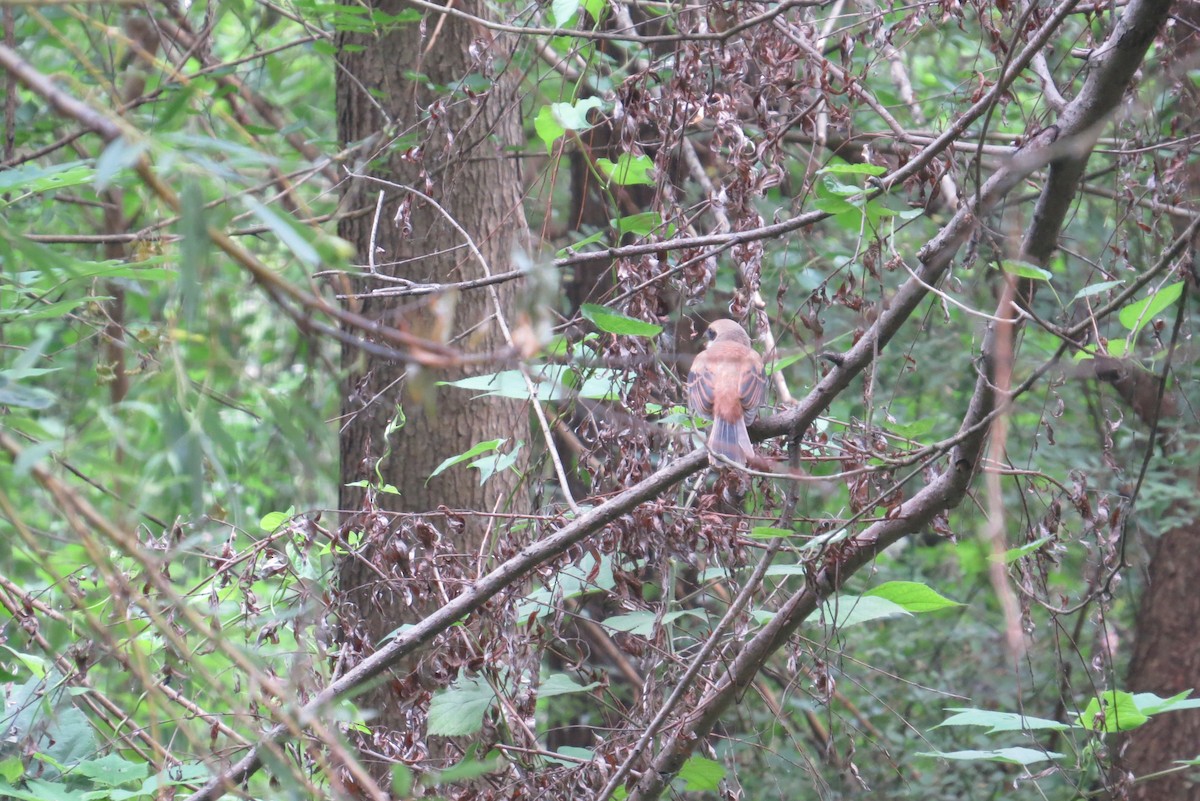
<point x="1166" y="656"/>
<point x="450" y="146"/>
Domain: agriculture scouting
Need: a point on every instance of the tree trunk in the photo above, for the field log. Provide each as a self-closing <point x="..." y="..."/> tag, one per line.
<point x="1166" y="657"/>
<point x="452" y="147"/>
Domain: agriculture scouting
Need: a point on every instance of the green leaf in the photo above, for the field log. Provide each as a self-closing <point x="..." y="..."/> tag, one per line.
<point x="638" y="224"/>
<point x="770" y="533"/>
<point x="555" y="119"/>
<point x="1113" y="710"/>
<point x="628" y="169"/>
<point x="402" y="781"/>
<point x="561" y="11"/>
<point x="584" y="754"/>
<point x="642" y="623"/>
<point x="469" y="767"/>
<point x="588" y="240"/>
<point x="46" y="311"/>
<point x="12" y="769"/>
<point x="783" y="363"/>
<point x="1151" y="704"/>
<point x="290" y="236"/>
<point x="548" y="128"/>
<point x="118" y="155"/>
<point x="1023" y="269"/>
<point x="39" y="790"/>
<point x="843" y="168"/>
<point x="31" y="179"/>
<point x="562" y="684"/>
<point x="911" y="596"/>
<point x="914" y="430"/>
<point x="475" y="450"/>
<point x="596" y="10"/>
<point x="571" y="582"/>
<point x="273" y="520"/>
<point x="1138" y="314"/>
<point x="1000" y="721"/>
<point x="112" y="770"/>
<point x="1010" y="756"/>
<point x="850" y="610"/>
<point x="700" y="774"/>
<point x="615" y="323"/>
<point x="458" y="710"/>
<point x="488" y="466"/>
<point x="1096" y="289"/>
<point x="14" y="394"/>
<point x="36" y="665"/>
<point x="1013" y="554"/>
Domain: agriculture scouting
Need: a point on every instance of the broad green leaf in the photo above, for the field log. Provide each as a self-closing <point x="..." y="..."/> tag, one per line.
<point x="47" y="311"/>
<point x="112" y="770"/>
<point x="14" y="394"/>
<point x="914" y="430"/>
<point x="701" y="774"/>
<point x="273" y="520"/>
<point x="511" y="384"/>
<point x="1113" y="710"/>
<point x="1023" y="269"/>
<point x="639" y="224"/>
<point x="31" y="179"/>
<point x="471" y="453"/>
<point x="458" y="710"/>
<point x="402" y="780"/>
<point x="11" y="769"/>
<point x="40" y="790"/>
<point x="596" y="9"/>
<point x="770" y="533"/>
<point x="470" y="767"/>
<point x="850" y="610"/>
<point x="488" y="466"/>
<point x="1116" y="348"/>
<point x="911" y="596"/>
<point x="555" y="119"/>
<point x="616" y="323"/>
<point x="1000" y="721"/>
<point x="1012" y="756"/>
<point x="1138" y="314"/>
<point x="571" y="582"/>
<point x="562" y="684"/>
<point x="561" y="11"/>
<point x="628" y="169"/>
<point x="843" y="168"/>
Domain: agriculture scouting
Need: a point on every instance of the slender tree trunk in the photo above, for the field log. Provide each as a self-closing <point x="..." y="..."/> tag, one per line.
<point x="451" y="146"/>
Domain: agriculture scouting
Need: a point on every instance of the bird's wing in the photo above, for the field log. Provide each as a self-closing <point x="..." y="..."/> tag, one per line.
<point x="700" y="387"/>
<point x="753" y="389"/>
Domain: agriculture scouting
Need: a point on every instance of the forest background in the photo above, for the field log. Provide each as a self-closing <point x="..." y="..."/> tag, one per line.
<point x="341" y="363"/>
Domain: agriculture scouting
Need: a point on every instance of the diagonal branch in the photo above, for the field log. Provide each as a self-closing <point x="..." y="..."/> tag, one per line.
<point x="1079" y="125"/>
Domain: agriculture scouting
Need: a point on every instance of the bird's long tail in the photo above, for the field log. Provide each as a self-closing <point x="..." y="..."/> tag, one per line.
<point x="731" y="440"/>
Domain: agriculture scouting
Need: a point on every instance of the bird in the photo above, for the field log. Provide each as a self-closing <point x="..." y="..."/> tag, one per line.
<point x="726" y="384"/>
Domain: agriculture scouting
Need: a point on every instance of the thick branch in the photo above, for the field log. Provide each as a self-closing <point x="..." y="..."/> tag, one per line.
<point x="1080" y="121"/>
